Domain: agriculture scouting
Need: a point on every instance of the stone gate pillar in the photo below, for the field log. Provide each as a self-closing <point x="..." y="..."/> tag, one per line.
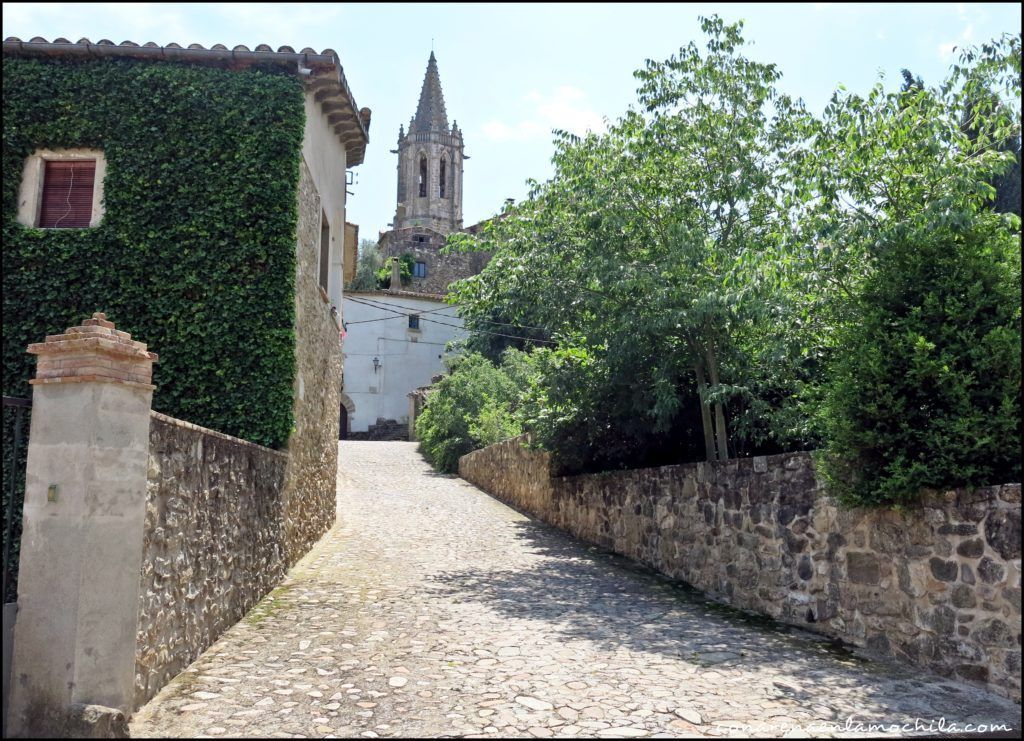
<point x="81" y="546"/>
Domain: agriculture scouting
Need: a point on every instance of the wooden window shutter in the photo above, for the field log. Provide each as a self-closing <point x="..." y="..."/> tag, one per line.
<point x="67" y="194"/>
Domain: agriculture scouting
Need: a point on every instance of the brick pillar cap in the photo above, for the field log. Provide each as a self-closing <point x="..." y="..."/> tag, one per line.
<point x="93" y="351"/>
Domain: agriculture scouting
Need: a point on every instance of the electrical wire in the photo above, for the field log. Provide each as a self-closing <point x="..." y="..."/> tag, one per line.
<point x="446" y="324"/>
<point x="370" y="301"/>
<point x="381" y="304"/>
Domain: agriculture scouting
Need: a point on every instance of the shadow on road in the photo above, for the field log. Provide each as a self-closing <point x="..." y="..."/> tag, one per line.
<point x="585" y="593"/>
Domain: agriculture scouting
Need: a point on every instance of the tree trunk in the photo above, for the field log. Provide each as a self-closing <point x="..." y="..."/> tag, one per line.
<point x="705" y="413"/>
<point x="723" y="436"/>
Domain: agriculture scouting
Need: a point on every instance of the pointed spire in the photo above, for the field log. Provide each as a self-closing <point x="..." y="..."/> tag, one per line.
<point x="430" y="113"/>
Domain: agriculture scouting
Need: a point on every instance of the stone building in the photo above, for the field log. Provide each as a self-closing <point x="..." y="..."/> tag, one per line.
<point x="396" y="342"/>
<point x="429" y="198"/>
<point x="229" y="257"/>
<point x="280" y="288"/>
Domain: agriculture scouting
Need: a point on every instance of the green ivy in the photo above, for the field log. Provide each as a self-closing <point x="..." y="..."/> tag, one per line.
<point x="196" y="251"/>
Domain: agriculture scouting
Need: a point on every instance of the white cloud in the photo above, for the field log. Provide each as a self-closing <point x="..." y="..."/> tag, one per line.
<point x="966" y="38"/>
<point x="566" y="108"/>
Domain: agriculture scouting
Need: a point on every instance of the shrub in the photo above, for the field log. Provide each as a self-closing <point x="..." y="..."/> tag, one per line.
<point x="472" y="407"/>
<point x="926" y="392"/>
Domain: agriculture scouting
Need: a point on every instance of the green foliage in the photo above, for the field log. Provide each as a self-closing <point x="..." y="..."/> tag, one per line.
<point x="196" y="252"/>
<point x="927" y="391"/>
<point x="472" y="407"/>
<point x="14" y="460"/>
<point x="721" y="274"/>
<point x="924" y="384"/>
<point x="659" y="258"/>
<point x="369" y="264"/>
<point x="405" y="265"/>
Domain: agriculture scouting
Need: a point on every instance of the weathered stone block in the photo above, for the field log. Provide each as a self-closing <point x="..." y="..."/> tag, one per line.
<point x="1002" y="531"/>
<point x="990" y="571"/>
<point x="943" y="570"/>
<point x="963" y="596"/>
<point x="862" y="568"/>
<point x="994" y="632"/>
<point x="972" y="548"/>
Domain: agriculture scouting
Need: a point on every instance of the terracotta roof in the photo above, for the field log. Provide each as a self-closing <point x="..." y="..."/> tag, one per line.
<point x="321" y="73"/>
<point x="406" y="294"/>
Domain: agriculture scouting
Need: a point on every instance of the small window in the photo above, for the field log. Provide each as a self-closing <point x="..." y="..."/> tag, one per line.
<point x="419" y="270"/>
<point x="442" y="177"/>
<point x="414" y="321"/>
<point x="62" y="189"/>
<point x="423" y="177"/>
<point x="67" y="194"/>
<point x="325" y="249"/>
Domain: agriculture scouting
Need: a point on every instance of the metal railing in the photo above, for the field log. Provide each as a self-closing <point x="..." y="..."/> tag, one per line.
<point x="14" y="487"/>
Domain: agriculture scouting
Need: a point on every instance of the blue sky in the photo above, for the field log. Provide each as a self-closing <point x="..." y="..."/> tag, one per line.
<point x="513" y="72"/>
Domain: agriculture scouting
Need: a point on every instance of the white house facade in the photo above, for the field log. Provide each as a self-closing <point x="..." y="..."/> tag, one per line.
<point x="394" y="342"/>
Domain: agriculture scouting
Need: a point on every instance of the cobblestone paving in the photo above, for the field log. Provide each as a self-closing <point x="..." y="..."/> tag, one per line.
<point x="433" y="610"/>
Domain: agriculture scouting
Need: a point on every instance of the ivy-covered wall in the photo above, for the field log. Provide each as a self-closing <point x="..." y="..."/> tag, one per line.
<point x="196" y="251"/>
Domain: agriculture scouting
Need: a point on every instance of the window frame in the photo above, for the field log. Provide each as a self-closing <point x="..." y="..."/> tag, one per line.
<point x="419" y="269"/>
<point x="414" y="323"/>
<point x="324" y="253"/>
<point x="30" y="195"/>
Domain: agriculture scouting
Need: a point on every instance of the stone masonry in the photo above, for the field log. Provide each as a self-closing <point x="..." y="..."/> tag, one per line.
<point x="425" y="245"/>
<point x="383" y="429"/>
<point x="432" y="610"/>
<point x="313" y="445"/>
<point x="81" y="545"/>
<point x="429" y="197"/>
<point x="937" y="587"/>
<point x="214" y="543"/>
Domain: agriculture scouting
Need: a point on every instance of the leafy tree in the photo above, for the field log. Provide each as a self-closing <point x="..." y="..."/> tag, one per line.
<point x="911" y="83"/>
<point x="653" y="249"/>
<point x="369" y="263"/>
<point x="925" y="384"/>
<point x="1006" y="184"/>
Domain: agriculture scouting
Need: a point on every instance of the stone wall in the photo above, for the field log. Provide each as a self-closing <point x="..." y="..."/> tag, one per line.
<point x="441" y="269"/>
<point x="214" y="543"/>
<point x="938" y="586"/>
<point x="311" y="478"/>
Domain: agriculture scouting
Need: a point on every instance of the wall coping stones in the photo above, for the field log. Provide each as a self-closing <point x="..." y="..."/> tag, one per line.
<point x="213" y="433"/>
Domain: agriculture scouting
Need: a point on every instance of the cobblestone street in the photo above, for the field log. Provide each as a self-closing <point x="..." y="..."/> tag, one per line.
<point x="432" y="609"/>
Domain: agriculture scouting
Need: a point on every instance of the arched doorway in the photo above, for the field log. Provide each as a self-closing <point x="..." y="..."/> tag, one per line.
<point x="345" y="412"/>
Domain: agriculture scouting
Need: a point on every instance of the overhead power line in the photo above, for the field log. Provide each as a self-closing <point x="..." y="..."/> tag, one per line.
<point x="434" y="321"/>
<point x="382" y="304"/>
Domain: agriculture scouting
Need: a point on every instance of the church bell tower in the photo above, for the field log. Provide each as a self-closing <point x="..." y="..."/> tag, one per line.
<point x="430" y="159"/>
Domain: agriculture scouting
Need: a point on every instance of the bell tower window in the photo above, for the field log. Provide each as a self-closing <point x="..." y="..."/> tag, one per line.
<point x="442" y="176"/>
<point x="423" y="177"/>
